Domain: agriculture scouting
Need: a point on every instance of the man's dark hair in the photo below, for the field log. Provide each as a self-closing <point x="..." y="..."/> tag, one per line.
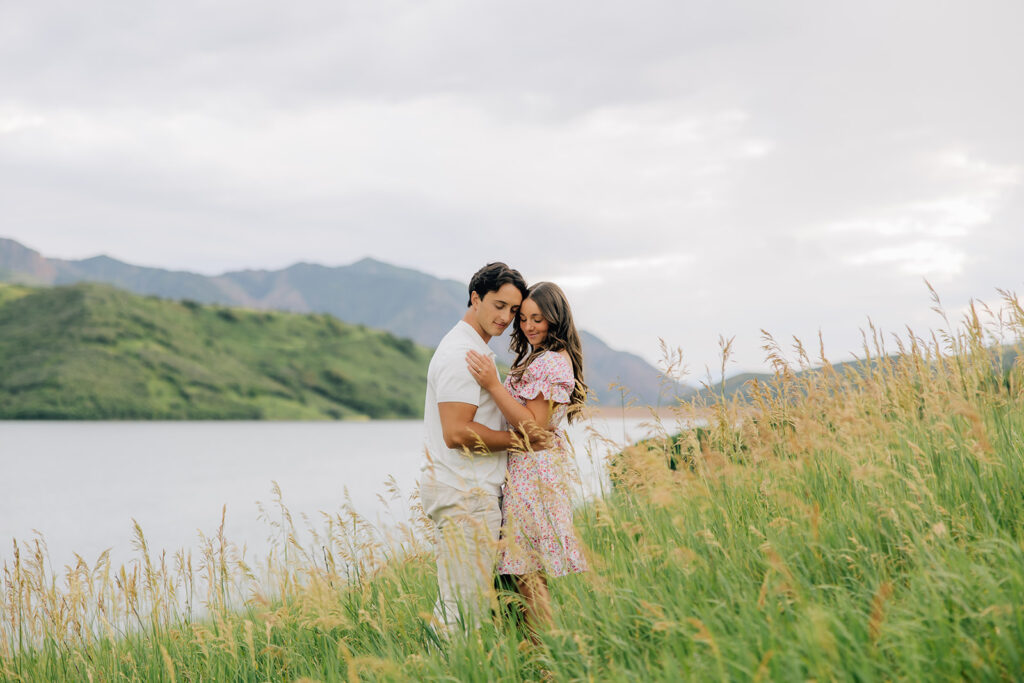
<point x="491" y="277"/>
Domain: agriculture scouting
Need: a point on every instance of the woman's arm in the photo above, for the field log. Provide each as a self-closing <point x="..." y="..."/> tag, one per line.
<point x="534" y="417"/>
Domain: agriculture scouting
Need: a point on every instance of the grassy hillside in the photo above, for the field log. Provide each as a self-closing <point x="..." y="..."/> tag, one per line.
<point x="862" y="526"/>
<point x="745" y="385"/>
<point x="94" y="352"/>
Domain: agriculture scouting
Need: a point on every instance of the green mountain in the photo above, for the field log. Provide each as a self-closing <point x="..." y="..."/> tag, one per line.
<point x="92" y="351"/>
<point x="403" y="301"/>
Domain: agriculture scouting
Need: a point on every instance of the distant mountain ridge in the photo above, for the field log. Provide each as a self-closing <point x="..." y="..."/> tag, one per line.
<point x="403" y="301"/>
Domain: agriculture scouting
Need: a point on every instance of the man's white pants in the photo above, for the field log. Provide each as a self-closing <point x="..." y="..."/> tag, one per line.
<point x="468" y="524"/>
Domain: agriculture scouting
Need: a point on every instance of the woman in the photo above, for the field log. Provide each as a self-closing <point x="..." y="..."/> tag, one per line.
<point x="544" y="386"/>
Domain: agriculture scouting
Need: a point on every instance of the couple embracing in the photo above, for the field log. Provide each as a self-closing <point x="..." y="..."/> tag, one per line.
<point x="494" y="478"/>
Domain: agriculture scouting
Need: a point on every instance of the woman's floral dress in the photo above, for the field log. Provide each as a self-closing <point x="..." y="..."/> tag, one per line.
<point x="537" y="511"/>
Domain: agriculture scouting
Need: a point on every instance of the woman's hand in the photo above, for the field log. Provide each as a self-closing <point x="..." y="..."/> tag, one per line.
<point x="484" y="371"/>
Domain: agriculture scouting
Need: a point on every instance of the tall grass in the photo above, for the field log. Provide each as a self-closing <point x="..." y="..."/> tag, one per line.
<point x="857" y="525"/>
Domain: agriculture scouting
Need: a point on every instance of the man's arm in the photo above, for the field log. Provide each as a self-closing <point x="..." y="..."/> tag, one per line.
<point x="460" y="431"/>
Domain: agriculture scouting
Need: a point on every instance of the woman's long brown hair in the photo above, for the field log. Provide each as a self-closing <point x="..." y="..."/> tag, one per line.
<point x="562" y="336"/>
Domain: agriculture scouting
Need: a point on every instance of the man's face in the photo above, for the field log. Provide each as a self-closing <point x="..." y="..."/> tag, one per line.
<point x="497" y="309"/>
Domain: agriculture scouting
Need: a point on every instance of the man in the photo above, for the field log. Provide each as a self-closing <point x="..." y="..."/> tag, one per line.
<point x="466" y="439"/>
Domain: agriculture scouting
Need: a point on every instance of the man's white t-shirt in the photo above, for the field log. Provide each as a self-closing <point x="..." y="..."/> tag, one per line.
<point x="448" y="380"/>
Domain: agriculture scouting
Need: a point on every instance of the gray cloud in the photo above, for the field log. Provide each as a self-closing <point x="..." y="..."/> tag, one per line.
<point x="688" y="169"/>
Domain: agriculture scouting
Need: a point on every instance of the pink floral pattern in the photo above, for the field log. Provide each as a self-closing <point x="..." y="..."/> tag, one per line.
<point x="537" y="509"/>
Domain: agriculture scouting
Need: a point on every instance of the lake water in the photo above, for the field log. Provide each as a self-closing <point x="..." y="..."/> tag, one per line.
<point x="80" y="484"/>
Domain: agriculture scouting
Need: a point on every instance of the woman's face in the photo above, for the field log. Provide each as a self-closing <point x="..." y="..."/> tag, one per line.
<point x="532" y="323"/>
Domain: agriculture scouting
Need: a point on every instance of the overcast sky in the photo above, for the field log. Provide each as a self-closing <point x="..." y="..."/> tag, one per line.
<point x="684" y="169"/>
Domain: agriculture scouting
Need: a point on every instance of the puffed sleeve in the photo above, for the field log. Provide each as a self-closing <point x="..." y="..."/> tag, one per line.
<point x="549" y="375"/>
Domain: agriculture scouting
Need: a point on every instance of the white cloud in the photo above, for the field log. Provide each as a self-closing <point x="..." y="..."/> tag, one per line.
<point x="621" y="272"/>
<point x="916" y="258"/>
<point x="683" y="169"/>
<point x="13" y="120"/>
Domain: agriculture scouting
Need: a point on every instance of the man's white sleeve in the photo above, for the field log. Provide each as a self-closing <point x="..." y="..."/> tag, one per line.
<point x="454" y="383"/>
